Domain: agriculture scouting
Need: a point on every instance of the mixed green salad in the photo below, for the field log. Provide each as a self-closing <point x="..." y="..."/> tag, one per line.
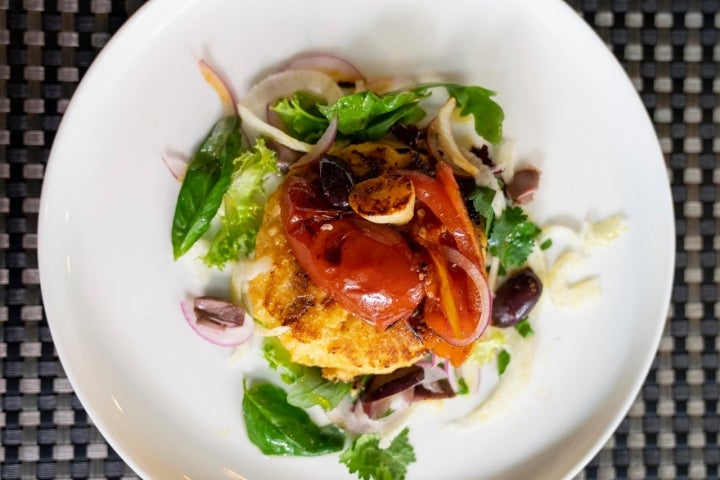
<point x="294" y="120"/>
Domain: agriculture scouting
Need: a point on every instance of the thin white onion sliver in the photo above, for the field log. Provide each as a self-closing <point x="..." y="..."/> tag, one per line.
<point x="288" y="83"/>
<point x="259" y="126"/>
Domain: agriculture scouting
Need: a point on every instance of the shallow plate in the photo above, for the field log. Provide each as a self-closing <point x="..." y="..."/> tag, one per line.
<point x="168" y="402"/>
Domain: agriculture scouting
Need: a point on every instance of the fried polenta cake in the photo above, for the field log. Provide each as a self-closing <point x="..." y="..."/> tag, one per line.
<point x="321" y="332"/>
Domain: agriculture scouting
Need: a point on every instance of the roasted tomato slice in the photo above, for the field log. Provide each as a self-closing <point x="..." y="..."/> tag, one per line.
<point x="457" y="307"/>
<point x="369" y="269"/>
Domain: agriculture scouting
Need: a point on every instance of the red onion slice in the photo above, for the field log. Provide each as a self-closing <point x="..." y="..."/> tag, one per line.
<point x="176" y="166"/>
<point x="320" y="148"/>
<point x="287" y="83"/>
<point x="335" y="67"/>
<point x="483" y="289"/>
<point x="224" y="337"/>
<point x="221" y="87"/>
<point x="352" y="417"/>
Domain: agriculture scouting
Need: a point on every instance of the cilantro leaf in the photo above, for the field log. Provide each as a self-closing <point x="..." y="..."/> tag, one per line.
<point x="512" y="237"/>
<point x="503" y="360"/>
<point x="370" y="462"/>
<point x="482" y="199"/>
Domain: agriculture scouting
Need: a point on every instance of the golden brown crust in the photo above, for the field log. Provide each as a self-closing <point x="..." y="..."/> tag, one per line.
<point x="322" y="333"/>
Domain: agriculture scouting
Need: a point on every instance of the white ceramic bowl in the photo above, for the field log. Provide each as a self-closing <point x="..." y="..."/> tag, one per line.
<point x="168" y="402"/>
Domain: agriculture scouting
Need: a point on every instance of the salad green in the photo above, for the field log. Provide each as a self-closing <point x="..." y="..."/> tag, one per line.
<point x="278" y="428"/>
<point x="222" y="200"/>
<point x="209" y="175"/>
<point x="243" y="205"/>
<point x="369" y="461"/>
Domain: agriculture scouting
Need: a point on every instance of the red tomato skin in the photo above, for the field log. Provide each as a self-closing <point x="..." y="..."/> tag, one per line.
<point x="452" y="307"/>
<point x="368" y="269"/>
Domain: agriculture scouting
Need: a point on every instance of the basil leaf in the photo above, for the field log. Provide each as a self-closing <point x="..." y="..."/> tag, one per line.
<point x="312" y="389"/>
<point x="278" y="428"/>
<point x="207" y="179"/>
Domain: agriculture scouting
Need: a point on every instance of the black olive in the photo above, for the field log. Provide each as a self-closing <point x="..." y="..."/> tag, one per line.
<point x="515" y="298"/>
<point x="337" y="181"/>
<point x="381" y="386"/>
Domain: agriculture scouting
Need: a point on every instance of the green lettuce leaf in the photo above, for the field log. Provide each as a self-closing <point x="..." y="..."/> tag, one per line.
<point x="243" y="205"/>
<point x="368" y="116"/>
<point x="307" y="385"/>
<point x="301" y="116"/>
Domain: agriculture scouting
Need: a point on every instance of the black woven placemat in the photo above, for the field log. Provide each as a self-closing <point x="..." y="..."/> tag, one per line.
<point x="668" y="48"/>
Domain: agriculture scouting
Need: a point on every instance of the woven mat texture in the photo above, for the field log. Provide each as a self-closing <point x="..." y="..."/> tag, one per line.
<point x="668" y="48"/>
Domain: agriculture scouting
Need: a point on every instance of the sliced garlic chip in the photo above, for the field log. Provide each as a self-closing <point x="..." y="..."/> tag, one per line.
<point x="389" y="198"/>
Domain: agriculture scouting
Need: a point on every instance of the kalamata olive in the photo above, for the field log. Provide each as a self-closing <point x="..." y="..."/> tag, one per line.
<point x="337" y="180"/>
<point x="515" y="298"/>
<point x="381" y="386"/>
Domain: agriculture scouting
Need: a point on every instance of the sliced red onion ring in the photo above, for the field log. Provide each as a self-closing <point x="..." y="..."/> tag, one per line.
<point x="221" y="87"/>
<point x="177" y="166"/>
<point x="286" y="84"/>
<point x="351" y="415"/>
<point x="339" y="69"/>
<point x="441" y="142"/>
<point x="224" y="337"/>
<point x="481" y="284"/>
<point x="320" y="148"/>
<point x="378" y="409"/>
